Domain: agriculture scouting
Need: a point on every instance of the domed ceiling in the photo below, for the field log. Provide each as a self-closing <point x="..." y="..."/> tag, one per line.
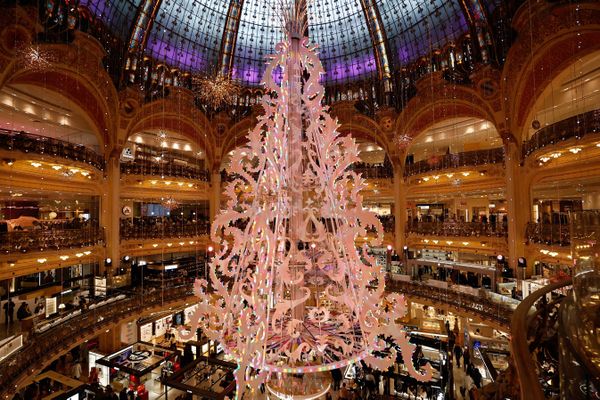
<point x="357" y="38"/>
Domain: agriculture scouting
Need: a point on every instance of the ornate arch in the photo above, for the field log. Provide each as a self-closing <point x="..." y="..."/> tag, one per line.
<point x="442" y="101"/>
<point x="175" y="124"/>
<point x="531" y="65"/>
<point x="76" y="72"/>
<point x="360" y="132"/>
<point x="359" y="125"/>
<point x="235" y="136"/>
<point x="176" y="112"/>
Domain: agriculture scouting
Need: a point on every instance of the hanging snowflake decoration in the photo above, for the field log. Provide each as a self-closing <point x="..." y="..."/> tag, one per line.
<point x="290" y="292"/>
<point x="35" y="58"/>
<point x="216" y="91"/>
<point x="402" y="141"/>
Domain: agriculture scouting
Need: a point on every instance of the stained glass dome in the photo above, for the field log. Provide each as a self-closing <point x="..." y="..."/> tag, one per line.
<point x="357" y="38"/>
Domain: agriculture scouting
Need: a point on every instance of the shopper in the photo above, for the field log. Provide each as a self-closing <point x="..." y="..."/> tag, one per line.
<point x="458" y="354"/>
<point x="476" y="375"/>
<point x="23" y="311"/>
<point x="466" y="357"/>
<point x="9" y="311"/>
<point x="76" y="369"/>
<point x="337" y="377"/>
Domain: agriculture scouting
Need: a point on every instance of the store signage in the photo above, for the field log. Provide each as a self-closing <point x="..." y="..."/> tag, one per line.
<point x="100" y="287"/>
<point x="50" y="306"/>
<point x="128" y="333"/>
<point x="10" y="345"/>
<point x="146" y="332"/>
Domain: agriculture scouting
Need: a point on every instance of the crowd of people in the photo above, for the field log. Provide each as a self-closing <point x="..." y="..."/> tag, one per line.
<point x="34" y="224"/>
<point x="167" y="226"/>
<point x="388" y="222"/>
<point x="27" y="234"/>
<point x="374" y="171"/>
<point x="441" y="225"/>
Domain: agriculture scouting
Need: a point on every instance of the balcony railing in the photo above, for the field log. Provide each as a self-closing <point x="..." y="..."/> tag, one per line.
<point x="43" y="347"/>
<point x="549" y="234"/>
<point x="42" y="145"/>
<point x="171" y="170"/>
<point x="457" y="229"/>
<point x="368" y="171"/>
<point x="488" y="309"/>
<point x="573" y="127"/>
<point x="374" y="171"/>
<point x="160" y="231"/>
<point x="534" y="344"/>
<point x="465" y="159"/>
<point x="49" y="239"/>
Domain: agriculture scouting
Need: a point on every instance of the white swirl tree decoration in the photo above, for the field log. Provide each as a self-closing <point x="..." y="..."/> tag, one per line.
<point x="289" y="290"/>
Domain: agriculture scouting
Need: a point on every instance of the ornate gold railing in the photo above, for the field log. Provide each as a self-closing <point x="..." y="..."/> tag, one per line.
<point x="549" y="234"/>
<point x="457" y="229"/>
<point x="173" y="230"/>
<point x="171" y="170"/>
<point x="43" y="347"/>
<point x="458" y="160"/>
<point x="577" y="127"/>
<point x="534" y="324"/>
<point x="484" y="308"/>
<point x="49" y="239"/>
<point x="42" y="145"/>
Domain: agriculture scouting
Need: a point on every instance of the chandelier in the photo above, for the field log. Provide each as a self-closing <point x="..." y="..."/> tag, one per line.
<point x="169" y="203"/>
<point x="290" y="292"/>
<point x="216" y="91"/>
<point x="34" y="58"/>
<point x="402" y="141"/>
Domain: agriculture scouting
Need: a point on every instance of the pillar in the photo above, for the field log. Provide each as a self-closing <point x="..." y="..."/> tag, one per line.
<point x="518" y="199"/>
<point x="110" y="341"/>
<point x="591" y="201"/>
<point x="214" y="201"/>
<point x="111" y="213"/>
<point x="399" y="209"/>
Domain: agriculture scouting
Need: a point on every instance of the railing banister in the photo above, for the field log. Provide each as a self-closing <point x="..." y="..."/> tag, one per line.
<point x="524" y="362"/>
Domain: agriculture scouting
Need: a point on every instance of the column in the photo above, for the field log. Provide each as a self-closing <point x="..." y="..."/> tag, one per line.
<point x="399" y="210"/>
<point x="214" y="200"/>
<point x="111" y="214"/>
<point x="110" y="341"/>
<point x="518" y="198"/>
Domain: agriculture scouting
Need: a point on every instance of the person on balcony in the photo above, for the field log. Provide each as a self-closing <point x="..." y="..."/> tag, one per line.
<point x="458" y="354"/>
<point x="23" y="311"/>
<point x="9" y="311"/>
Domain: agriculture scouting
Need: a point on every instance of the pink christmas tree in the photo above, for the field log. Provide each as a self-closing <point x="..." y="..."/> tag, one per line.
<point x="290" y="291"/>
